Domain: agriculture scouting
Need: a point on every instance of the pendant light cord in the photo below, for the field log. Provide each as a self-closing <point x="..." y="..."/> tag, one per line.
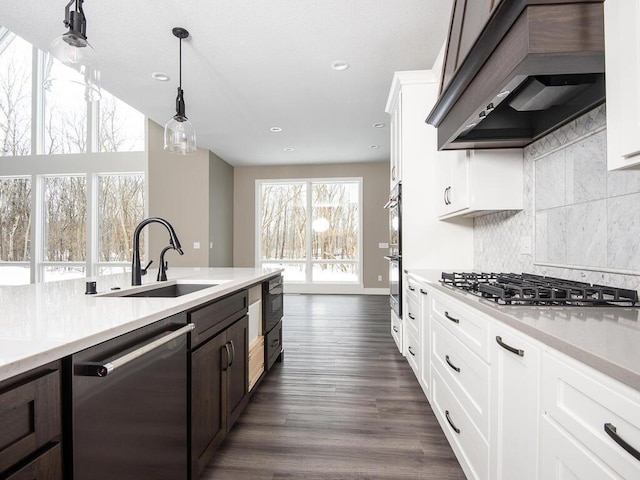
<point x="181" y="63"/>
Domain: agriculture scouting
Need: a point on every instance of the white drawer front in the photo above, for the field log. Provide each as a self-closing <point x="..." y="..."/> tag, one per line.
<point x="412" y="289"/>
<point x="583" y="401"/>
<point x="466" y="325"/>
<point x="466" y="375"/>
<point x="412" y="316"/>
<point x="412" y="352"/>
<point x="396" y="330"/>
<point x="470" y="447"/>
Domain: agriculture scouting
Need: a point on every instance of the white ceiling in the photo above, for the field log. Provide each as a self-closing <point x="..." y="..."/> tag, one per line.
<point x="251" y="65"/>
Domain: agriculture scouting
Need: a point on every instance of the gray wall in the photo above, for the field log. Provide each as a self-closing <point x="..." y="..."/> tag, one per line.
<point x="583" y="222"/>
<point x="195" y="194"/>
<point x="375" y="180"/>
<point x="220" y="212"/>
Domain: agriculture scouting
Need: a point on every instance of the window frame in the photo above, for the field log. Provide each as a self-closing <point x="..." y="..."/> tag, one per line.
<point x="309" y="262"/>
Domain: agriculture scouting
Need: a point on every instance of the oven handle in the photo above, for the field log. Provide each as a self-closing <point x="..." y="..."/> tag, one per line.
<point x="95" y="369"/>
<point x="391" y="203"/>
<point x="392" y="258"/>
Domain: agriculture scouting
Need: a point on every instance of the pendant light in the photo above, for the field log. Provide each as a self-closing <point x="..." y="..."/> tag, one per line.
<point x="73" y="50"/>
<point x="179" y="135"/>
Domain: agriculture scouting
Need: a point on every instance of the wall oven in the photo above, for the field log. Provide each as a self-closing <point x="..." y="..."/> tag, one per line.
<point x="394" y="205"/>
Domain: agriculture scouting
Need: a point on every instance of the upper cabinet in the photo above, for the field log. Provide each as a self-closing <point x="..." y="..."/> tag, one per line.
<point x="477" y="182"/>
<point x="622" y="41"/>
<point x="395" y="163"/>
<point x="516" y="70"/>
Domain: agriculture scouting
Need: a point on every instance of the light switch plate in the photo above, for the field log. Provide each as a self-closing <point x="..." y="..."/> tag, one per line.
<point x="383" y="245"/>
<point x="196" y="245"/>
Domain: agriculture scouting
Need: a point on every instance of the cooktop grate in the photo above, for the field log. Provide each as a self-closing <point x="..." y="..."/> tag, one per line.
<point x="530" y="289"/>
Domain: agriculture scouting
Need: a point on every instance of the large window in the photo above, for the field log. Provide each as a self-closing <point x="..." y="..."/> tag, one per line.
<point x="311" y="228"/>
<point x="73" y="213"/>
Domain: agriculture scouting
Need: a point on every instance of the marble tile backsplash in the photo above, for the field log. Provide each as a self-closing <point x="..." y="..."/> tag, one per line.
<point x="583" y="222"/>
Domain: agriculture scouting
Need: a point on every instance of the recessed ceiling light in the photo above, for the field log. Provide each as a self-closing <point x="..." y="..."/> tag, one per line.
<point x="471" y="125"/>
<point x="378" y="125"/>
<point x="161" y="77"/>
<point x="275" y="129"/>
<point x="288" y="149"/>
<point x="374" y="146"/>
<point x="339" y="65"/>
<point x="503" y="93"/>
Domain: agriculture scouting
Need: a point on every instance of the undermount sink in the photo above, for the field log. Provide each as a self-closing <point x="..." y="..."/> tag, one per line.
<point x="172" y="290"/>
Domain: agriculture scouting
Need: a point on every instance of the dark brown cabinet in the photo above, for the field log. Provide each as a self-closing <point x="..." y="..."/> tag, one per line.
<point x="30" y="425"/>
<point x="219" y="375"/>
<point x="468" y="18"/>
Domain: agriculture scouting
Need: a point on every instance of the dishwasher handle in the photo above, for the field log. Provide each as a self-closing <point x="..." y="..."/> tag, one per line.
<point x="102" y="369"/>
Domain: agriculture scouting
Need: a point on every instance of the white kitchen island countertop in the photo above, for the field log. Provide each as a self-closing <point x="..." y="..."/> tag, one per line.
<point x="605" y="338"/>
<point x="43" y="322"/>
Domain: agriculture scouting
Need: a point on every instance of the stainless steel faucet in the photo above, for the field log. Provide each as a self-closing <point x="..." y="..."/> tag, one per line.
<point x="136" y="274"/>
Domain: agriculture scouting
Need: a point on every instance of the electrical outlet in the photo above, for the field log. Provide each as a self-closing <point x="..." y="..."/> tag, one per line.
<point x="525" y="245"/>
<point x="210" y="244"/>
<point x="379" y="278"/>
<point x="196" y="245"/>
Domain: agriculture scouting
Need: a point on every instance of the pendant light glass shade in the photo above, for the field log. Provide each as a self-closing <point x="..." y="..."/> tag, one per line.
<point x="179" y="134"/>
<point x="72" y="50"/>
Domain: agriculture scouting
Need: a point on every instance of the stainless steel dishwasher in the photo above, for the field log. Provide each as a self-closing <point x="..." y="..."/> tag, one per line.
<point x="129" y="405"/>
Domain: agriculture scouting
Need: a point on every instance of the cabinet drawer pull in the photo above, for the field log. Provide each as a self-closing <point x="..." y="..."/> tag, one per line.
<point x="457" y="369"/>
<point x="228" y="350"/>
<point x="612" y="432"/>
<point x="411" y="288"/>
<point x="445" y="196"/>
<point x="275" y="343"/>
<point x="395" y="329"/>
<point x="453" y="319"/>
<point x="509" y="347"/>
<point x="411" y="351"/>
<point x="411" y="316"/>
<point x="424" y="292"/>
<point x="233" y="352"/>
<point x="455" y="429"/>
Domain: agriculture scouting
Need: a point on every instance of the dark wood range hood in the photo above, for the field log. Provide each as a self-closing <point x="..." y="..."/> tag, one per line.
<point x="536" y="65"/>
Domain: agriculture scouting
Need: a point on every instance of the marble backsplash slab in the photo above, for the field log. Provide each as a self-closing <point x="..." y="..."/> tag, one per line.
<point x="583" y="222"/>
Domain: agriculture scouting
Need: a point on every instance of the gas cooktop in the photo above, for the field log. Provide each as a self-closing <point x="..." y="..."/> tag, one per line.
<point x="530" y="289"/>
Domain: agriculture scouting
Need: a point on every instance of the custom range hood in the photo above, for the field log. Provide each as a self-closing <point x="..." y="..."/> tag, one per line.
<point x="536" y="65"/>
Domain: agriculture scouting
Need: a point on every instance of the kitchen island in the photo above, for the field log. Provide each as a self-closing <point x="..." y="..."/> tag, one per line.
<point x="43" y="322"/>
<point x="124" y="383"/>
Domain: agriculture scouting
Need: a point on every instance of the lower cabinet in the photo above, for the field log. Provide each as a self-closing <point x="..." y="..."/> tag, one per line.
<point x="30" y="425"/>
<point x="515" y="371"/>
<point x="219" y="386"/>
<point x="590" y="423"/>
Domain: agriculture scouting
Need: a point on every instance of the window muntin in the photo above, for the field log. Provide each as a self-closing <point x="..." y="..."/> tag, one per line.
<point x="15" y="95"/>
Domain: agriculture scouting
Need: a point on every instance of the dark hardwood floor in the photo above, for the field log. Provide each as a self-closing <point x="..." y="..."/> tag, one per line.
<point x="344" y="404"/>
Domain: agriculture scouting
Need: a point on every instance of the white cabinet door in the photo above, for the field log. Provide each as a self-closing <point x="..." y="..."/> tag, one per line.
<point x="425" y="343"/>
<point x="452" y="194"/>
<point x="515" y="370"/>
<point x="476" y="182"/>
<point x="395" y="175"/>
<point x="622" y="57"/>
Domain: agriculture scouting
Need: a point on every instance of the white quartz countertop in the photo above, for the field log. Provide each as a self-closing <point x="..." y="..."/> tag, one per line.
<point x="605" y="338"/>
<point x="43" y="322"/>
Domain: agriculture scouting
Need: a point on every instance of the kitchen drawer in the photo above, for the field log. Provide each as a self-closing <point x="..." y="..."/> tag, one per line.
<point x="273" y="345"/>
<point x="29" y="416"/>
<point x="216" y="316"/>
<point x="412" y="316"/>
<point x="46" y="466"/>
<point x="397" y="331"/>
<point x="412" y="289"/>
<point x="412" y="353"/>
<point x="467" y="325"/>
<point x="582" y="401"/>
<point x="465" y="439"/>
<point x="466" y="375"/>
<point x="256" y="360"/>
